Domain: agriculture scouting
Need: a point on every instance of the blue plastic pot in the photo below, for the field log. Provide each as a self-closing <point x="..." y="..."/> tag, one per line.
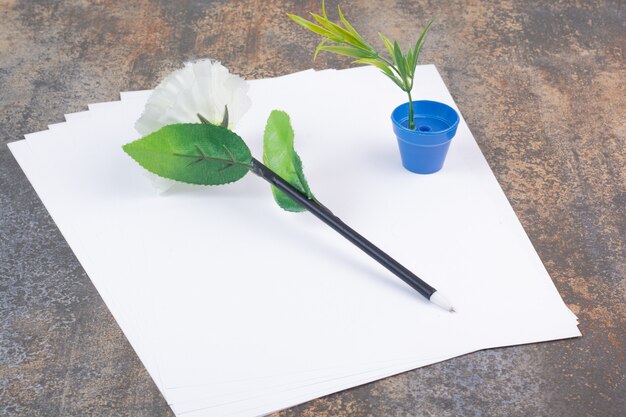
<point x="424" y="149"/>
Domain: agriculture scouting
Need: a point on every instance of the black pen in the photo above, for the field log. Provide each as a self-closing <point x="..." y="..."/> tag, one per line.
<point x="325" y="215"/>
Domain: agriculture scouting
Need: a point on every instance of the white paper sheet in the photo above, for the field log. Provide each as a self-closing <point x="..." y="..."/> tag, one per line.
<point x="273" y="336"/>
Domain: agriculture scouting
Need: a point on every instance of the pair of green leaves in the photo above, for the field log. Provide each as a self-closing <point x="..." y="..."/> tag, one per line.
<point x="205" y="154"/>
<point x="400" y="68"/>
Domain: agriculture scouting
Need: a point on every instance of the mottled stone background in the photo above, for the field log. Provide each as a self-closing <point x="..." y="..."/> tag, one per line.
<point x="541" y="85"/>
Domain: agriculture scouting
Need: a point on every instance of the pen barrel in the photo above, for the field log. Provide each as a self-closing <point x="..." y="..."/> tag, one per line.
<point x="325" y="215"/>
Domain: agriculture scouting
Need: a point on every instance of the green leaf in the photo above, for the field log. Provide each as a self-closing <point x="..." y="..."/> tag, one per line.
<point x="388" y="44"/>
<point x="347" y="51"/>
<point x="380" y="65"/>
<point x="324" y="10"/>
<point x="400" y="61"/>
<point x="397" y="81"/>
<point x="349" y="27"/>
<point x="203" y="119"/>
<point x="317" y="50"/>
<point x="420" y="42"/>
<point x="280" y="156"/>
<point x="409" y="61"/>
<point x="225" y="119"/>
<point x="202" y="154"/>
<point x="313" y="27"/>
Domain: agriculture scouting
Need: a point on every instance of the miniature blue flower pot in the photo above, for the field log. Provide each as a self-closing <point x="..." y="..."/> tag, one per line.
<point x="424" y="149"/>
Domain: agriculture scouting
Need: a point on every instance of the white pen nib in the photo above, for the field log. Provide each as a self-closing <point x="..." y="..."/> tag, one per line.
<point x="438" y="299"/>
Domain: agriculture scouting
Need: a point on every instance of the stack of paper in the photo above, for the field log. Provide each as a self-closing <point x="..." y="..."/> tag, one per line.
<point x="237" y="308"/>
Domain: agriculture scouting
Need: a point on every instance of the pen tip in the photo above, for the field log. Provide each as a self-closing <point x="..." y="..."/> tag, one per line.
<point x="441" y="301"/>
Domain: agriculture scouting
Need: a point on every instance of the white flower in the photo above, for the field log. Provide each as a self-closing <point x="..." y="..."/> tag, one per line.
<point x="202" y="87"/>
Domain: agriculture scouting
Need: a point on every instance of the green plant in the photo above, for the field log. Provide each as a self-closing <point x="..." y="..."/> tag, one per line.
<point x="400" y="67"/>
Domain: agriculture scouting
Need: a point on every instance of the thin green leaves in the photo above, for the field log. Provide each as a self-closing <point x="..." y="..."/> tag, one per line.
<point x="201" y="154"/>
<point x="280" y="156"/>
<point x="340" y="32"/>
<point x="348" y="40"/>
<point x="351" y="43"/>
<point x="400" y="67"/>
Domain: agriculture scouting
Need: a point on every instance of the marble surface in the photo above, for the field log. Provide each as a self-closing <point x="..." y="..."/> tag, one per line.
<point x="541" y="85"/>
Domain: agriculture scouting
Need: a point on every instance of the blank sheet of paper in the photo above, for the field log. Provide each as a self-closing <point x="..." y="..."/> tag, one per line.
<point x="239" y="308"/>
